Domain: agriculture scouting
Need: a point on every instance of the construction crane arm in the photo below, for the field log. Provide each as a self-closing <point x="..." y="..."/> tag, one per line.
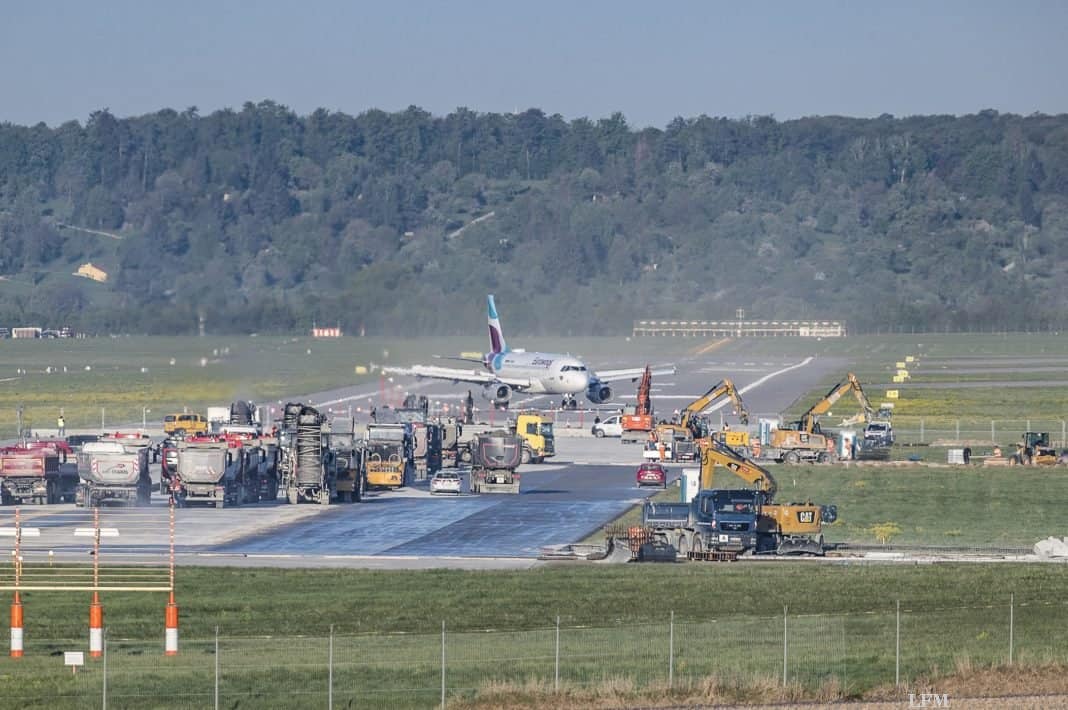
<point x="849" y="384"/>
<point x="714" y="453"/>
<point x="724" y="388"/>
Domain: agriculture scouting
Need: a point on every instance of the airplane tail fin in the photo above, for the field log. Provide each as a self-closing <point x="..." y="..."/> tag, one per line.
<point x="496" y="335"/>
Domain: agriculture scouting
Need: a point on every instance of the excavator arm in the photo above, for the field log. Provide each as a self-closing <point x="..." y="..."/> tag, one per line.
<point x="724" y="388"/>
<point x="849" y="384"/>
<point x="713" y="454"/>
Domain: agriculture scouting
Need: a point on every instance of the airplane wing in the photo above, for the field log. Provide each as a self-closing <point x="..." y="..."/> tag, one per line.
<point x="633" y="373"/>
<point x="475" y="375"/>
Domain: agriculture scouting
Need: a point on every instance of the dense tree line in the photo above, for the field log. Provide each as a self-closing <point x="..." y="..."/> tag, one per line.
<point x="263" y="220"/>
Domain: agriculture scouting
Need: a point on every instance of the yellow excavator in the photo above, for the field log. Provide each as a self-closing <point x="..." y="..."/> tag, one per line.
<point x="804" y="440"/>
<point x="782" y="528"/>
<point x="680" y="437"/>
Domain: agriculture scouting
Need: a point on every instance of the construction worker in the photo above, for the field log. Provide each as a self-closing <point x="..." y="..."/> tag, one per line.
<point x="61" y="425"/>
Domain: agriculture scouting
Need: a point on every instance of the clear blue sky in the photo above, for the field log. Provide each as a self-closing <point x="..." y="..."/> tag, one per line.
<point x="64" y="59"/>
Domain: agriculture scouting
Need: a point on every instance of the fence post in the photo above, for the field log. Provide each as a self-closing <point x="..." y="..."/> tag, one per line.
<point x="1064" y="435"/>
<point x="897" y="648"/>
<point x="105" y="670"/>
<point x="1012" y="614"/>
<point x="556" y="667"/>
<point x="993" y="434"/>
<point x="216" y="668"/>
<point x="671" y="650"/>
<point x="330" y="673"/>
<point x="784" y="645"/>
<point x="442" y="664"/>
<point x="921" y="430"/>
<point x="958" y="430"/>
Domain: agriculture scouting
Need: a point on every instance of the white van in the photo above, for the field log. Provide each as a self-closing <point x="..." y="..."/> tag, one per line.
<point x="613" y="426"/>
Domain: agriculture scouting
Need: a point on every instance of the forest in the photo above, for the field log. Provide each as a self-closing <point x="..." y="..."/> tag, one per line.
<point x="260" y="220"/>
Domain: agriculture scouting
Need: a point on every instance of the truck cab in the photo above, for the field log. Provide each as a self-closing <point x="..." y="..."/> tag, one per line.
<point x="537" y="432"/>
<point x="715" y="520"/>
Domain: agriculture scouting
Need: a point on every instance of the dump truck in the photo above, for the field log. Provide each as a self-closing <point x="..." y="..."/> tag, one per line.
<point x="261" y="460"/>
<point x="114" y="469"/>
<point x="451" y="433"/>
<point x="495" y="457"/>
<point x="37" y="474"/>
<point x="211" y="470"/>
<point x="388" y="458"/>
<point x="308" y="469"/>
<point x="722" y="523"/>
<point x="348" y="453"/>
<point x="425" y="433"/>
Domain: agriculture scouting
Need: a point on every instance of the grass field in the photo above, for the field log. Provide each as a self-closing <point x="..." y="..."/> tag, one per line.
<point x="728" y="628"/>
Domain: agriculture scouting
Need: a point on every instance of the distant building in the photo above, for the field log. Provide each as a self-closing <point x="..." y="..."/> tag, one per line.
<point x="30" y="332"/>
<point x="92" y="272"/>
<point x="326" y="332"/>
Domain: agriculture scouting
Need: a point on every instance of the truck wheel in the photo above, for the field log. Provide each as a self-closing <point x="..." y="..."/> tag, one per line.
<point x="220" y="504"/>
<point x="684" y="548"/>
<point x="291" y="496"/>
<point x="324" y="497"/>
<point x="50" y="496"/>
<point x="525" y="456"/>
<point x="599" y="433"/>
<point x="465" y="456"/>
<point x="698" y="543"/>
<point x="824" y="457"/>
<point x="792" y="457"/>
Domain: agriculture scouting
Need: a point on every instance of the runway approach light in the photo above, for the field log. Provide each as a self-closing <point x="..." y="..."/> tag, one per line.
<point x="91" y="532"/>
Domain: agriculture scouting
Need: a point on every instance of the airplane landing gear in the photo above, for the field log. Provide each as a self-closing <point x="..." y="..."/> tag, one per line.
<point x="569" y="403"/>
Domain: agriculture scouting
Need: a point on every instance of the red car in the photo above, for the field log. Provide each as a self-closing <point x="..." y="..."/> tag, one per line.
<point x="651" y="473"/>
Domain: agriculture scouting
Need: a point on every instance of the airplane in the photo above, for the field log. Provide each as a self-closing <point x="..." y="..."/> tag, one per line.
<point x="504" y="371"/>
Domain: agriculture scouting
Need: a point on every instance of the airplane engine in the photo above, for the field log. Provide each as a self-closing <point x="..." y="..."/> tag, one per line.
<point x="598" y="393"/>
<point x="498" y="394"/>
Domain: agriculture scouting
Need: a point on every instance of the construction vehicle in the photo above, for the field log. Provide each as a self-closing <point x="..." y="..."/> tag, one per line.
<point x="721" y="523"/>
<point x="185" y="424"/>
<point x="211" y="470"/>
<point x="115" y="469"/>
<point x="306" y="464"/>
<point x="261" y="460"/>
<point x="40" y="474"/>
<point x="804" y="440"/>
<point x="536" y="431"/>
<point x="638" y="422"/>
<point x="451" y="433"/>
<point x="425" y="433"/>
<point x="388" y="458"/>
<point x="495" y="457"/>
<point x="679" y="439"/>
<point x="348" y="460"/>
<point x="1034" y="450"/>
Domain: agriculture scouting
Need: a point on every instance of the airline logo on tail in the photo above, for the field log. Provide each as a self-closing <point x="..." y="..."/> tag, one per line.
<point x="497" y="345"/>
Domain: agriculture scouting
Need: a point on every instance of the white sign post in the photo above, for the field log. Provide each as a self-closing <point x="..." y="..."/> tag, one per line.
<point x="73" y="659"/>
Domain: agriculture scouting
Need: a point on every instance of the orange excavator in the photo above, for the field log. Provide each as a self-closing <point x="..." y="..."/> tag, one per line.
<point x="638" y="424"/>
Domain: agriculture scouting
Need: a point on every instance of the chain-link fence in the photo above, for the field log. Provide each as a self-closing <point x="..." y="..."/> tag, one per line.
<point x="856" y="650"/>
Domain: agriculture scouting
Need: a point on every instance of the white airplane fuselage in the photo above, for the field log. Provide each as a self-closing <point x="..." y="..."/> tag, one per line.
<point x="549" y="373"/>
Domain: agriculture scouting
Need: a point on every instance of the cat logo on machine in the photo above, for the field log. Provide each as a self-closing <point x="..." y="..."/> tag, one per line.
<point x="806" y="516"/>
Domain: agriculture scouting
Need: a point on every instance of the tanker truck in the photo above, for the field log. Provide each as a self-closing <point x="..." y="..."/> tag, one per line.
<point x="495" y="456"/>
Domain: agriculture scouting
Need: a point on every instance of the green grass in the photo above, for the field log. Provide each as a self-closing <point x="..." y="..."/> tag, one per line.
<point x="274" y="626"/>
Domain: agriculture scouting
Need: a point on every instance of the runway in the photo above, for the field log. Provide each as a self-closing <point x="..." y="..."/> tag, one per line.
<point x="589" y="483"/>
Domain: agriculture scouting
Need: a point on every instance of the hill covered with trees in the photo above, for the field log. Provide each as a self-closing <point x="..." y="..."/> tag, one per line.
<point x="261" y="220"/>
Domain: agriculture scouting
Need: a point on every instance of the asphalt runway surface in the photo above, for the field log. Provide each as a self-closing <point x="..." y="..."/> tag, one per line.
<point x="588" y="484"/>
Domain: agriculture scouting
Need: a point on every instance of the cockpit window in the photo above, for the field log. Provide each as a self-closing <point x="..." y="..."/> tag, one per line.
<point x="573" y="368"/>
